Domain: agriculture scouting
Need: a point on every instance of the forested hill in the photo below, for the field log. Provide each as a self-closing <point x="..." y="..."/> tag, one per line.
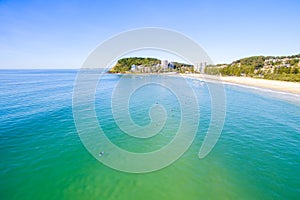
<point x="124" y="65"/>
<point x="286" y="68"/>
<point x="149" y="65"/>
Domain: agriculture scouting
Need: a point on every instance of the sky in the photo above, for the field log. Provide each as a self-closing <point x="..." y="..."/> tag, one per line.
<point x="61" y="34"/>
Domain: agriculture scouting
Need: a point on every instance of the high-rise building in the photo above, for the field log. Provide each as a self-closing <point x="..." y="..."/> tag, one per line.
<point x="199" y="67"/>
<point x="164" y="64"/>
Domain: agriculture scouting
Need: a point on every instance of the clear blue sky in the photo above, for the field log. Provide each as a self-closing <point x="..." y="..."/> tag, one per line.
<point x="61" y="34"/>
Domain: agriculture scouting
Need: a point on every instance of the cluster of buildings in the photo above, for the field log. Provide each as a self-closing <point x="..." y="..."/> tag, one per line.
<point x="166" y="66"/>
<point x="145" y="69"/>
<point x="271" y="64"/>
<point x="200" y="67"/>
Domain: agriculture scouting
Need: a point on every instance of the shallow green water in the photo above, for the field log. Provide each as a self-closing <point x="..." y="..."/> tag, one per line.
<point x="42" y="157"/>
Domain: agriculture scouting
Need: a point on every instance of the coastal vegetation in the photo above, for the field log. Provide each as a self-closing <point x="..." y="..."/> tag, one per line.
<point x="284" y="68"/>
<point x="124" y="65"/>
<point x="149" y="65"/>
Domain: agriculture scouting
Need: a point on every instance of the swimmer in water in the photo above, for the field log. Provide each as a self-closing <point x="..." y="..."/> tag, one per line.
<point x="101" y="153"/>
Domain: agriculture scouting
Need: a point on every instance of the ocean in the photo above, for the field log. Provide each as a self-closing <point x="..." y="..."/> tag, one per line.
<point x="42" y="157"/>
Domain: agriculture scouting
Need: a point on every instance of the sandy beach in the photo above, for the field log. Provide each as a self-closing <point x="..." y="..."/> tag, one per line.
<point x="283" y="86"/>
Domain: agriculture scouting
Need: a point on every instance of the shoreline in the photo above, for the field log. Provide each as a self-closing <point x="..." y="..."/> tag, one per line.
<point x="281" y="86"/>
<point x="275" y="85"/>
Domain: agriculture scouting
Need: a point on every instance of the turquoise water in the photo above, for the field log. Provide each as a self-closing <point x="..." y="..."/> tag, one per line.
<point x="42" y="157"/>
